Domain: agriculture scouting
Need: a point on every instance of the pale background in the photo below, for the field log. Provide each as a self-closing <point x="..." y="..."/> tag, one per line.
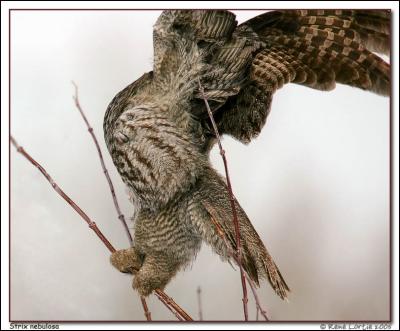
<point x="315" y="185"/>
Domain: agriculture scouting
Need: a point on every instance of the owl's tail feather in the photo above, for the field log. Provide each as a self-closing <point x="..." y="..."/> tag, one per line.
<point x="218" y="230"/>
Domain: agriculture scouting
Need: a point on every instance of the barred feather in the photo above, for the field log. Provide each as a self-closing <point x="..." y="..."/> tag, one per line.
<point x="317" y="49"/>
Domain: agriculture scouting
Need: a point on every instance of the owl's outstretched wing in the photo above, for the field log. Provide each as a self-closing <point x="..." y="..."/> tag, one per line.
<point x="240" y="67"/>
<point x="314" y="48"/>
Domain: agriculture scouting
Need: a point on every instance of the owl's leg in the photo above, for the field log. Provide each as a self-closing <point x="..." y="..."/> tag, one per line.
<point x="155" y="273"/>
<point x="127" y="260"/>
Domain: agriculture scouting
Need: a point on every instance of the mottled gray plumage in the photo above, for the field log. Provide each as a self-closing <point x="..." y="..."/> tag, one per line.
<point x="158" y="131"/>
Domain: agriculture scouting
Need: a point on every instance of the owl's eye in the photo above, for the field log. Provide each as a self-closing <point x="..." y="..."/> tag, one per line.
<point x="178" y="26"/>
<point x="202" y="43"/>
<point x="128" y="116"/>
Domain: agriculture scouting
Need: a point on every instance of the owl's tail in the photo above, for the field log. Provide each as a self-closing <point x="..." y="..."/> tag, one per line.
<point x="214" y="218"/>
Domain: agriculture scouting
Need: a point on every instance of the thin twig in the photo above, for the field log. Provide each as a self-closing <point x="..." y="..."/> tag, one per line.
<point x="121" y="217"/>
<point x="249" y="280"/>
<point x="233" y="255"/>
<point x="232" y="201"/>
<point x="147" y="313"/>
<point x="92" y="225"/>
<point x="164" y="298"/>
<point x="165" y="301"/>
<point x="258" y="304"/>
<point x="199" y="303"/>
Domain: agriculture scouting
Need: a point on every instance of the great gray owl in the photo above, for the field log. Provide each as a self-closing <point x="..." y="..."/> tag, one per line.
<point x="159" y="135"/>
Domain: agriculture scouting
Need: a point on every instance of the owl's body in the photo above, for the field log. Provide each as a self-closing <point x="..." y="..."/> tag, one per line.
<point x="158" y="131"/>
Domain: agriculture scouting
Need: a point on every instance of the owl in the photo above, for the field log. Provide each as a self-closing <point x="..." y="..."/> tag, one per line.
<point x="159" y="133"/>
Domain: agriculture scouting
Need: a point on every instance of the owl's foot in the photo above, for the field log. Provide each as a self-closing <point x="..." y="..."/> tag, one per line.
<point x="155" y="273"/>
<point x="126" y="260"/>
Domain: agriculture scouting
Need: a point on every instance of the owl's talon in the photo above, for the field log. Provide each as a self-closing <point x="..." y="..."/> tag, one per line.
<point x="155" y="273"/>
<point x="126" y="260"/>
<point x="146" y="284"/>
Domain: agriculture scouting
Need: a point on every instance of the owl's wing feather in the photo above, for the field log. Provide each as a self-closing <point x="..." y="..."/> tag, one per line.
<point x="368" y="27"/>
<point x="314" y="48"/>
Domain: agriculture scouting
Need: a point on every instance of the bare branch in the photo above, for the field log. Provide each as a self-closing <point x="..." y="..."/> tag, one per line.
<point x="257" y="300"/>
<point x="121" y="217"/>
<point x="163" y="297"/>
<point x="233" y="255"/>
<point x="237" y="256"/>
<point x="232" y="201"/>
<point x="92" y="225"/>
<point x="166" y="303"/>
<point x="199" y="303"/>
<point x="147" y="313"/>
